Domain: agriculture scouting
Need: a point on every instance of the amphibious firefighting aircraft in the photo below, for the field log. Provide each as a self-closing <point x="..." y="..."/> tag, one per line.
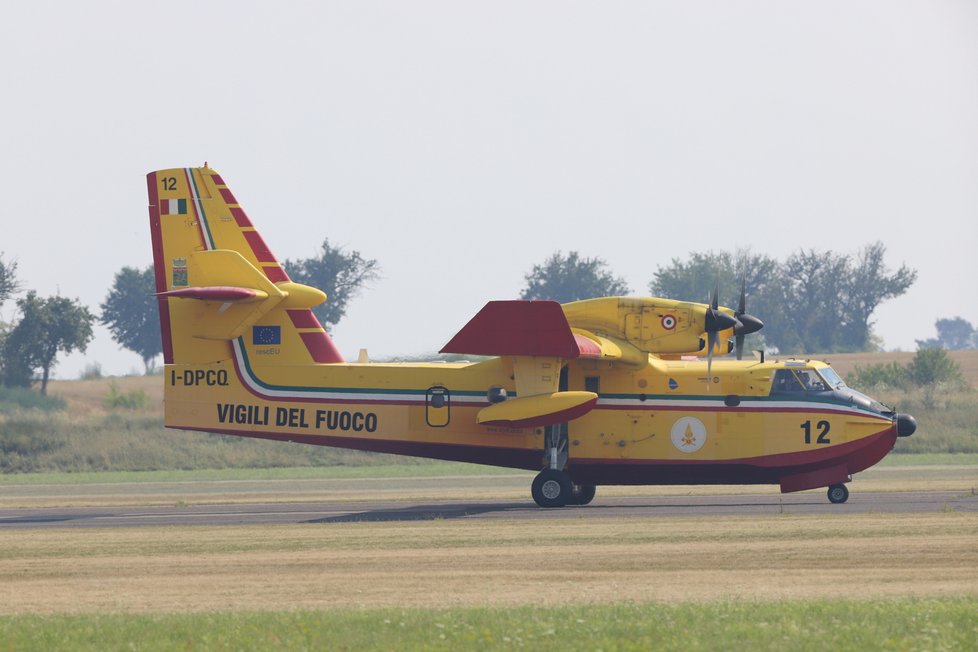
<point x="589" y="393"/>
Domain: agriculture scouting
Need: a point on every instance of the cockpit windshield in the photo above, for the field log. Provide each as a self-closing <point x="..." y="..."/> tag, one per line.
<point x="798" y="380"/>
<point x="834" y="380"/>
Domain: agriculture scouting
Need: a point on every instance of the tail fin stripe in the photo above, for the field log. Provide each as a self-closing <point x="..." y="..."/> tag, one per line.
<point x="276" y="274"/>
<point x="320" y="347"/>
<point x="205" y="230"/>
<point x="227" y="196"/>
<point x="240" y="217"/>
<point x="303" y="319"/>
<point x="156" y="233"/>
<point x="258" y="247"/>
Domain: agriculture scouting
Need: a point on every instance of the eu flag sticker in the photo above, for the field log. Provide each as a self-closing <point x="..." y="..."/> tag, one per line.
<point x="264" y="335"/>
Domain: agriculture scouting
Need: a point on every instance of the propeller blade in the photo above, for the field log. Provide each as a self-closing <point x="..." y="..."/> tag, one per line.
<point x="717" y="320"/>
<point x="711" y="342"/>
<point x="746" y="324"/>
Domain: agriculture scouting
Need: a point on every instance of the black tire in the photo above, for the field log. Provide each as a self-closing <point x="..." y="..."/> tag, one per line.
<point x="551" y="488"/>
<point x="838" y="494"/>
<point x="582" y="494"/>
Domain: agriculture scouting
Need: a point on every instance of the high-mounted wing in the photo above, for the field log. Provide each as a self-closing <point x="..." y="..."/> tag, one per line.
<point x="537" y="336"/>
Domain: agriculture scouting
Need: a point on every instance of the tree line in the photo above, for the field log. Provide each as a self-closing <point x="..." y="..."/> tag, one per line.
<point x="811" y="301"/>
<point x="50" y="326"/>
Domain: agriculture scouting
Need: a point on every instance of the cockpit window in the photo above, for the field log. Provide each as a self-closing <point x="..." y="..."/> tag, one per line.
<point x="833" y="379"/>
<point x="785" y="381"/>
<point x="797" y="380"/>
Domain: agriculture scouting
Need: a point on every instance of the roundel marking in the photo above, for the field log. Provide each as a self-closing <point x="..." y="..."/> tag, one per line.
<point x="669" y="322"/>
<point x="688" y="434"/>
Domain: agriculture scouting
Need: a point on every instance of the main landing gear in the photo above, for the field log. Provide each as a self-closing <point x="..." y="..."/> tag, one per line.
<point x="838" y="493"/>
<point x="553" y="487"/>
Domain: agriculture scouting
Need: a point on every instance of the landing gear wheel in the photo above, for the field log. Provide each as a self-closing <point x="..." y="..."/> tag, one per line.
<point x="582" y="494"/>
<point x="552" y="488"/>
<point x="838" y="493"/>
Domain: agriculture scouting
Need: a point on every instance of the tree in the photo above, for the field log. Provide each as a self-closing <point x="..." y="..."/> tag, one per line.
<point x="695" y="280"/>
<point x="932" y="366"/>
<point x="814" y="301"/>
<point x="339" y="274"/>
<point x="131" y="313"/>
<point x="8" y="287"/>
<point x="8" y="279"/>
<point x="953" y="335"/>
<point x="47" y="327"/>
<point x="572" y="278"/>
<point x="868" y="283"/>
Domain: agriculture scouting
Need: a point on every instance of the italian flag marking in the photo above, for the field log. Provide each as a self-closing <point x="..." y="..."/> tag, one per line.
<point x="173" y="207"/>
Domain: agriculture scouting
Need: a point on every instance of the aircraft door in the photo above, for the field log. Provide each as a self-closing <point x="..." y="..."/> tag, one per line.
<point x="438" y="406"/>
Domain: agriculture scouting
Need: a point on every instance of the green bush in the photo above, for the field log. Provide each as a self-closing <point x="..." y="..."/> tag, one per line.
<point x="887" y="375"/>
<point x="932" y="366"/>
<point x="132" y="400"/>
<point x="929" y="369"/>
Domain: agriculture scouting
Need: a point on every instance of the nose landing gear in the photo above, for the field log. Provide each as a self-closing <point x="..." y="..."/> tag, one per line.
<point x="838" y="493"/>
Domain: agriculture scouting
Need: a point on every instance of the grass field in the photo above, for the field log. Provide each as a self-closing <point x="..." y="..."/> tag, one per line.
<point x="488" y="563"/>
<point x="844" y="582"/>
<point x="807" y="625"/>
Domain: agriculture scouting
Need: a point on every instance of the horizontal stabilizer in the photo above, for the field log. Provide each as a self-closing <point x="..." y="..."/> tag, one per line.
<point x="539" y="410"/>
<point x="222" y="293"/>
<point x="534" y="328"/>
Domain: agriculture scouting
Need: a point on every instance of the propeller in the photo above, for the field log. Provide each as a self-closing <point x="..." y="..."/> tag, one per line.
<point x="715" y="321"/>
<point x="746" y="324"/>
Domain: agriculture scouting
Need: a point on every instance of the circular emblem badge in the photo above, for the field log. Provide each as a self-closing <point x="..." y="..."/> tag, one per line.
<point x="668" y="322"/>
<point x="688" y="434"/>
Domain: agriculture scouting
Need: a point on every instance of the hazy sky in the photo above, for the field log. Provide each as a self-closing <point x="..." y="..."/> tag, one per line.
<point x="461" y="143"/>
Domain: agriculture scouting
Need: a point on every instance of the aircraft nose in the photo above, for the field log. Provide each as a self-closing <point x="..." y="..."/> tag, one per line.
<point x="906" y="425"/>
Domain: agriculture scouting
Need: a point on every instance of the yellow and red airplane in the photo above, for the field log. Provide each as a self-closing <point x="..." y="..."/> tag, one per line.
<point x="595" y="392"/>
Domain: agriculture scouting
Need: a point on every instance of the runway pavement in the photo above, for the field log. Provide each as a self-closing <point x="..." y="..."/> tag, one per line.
<point x="325" y="512"/>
